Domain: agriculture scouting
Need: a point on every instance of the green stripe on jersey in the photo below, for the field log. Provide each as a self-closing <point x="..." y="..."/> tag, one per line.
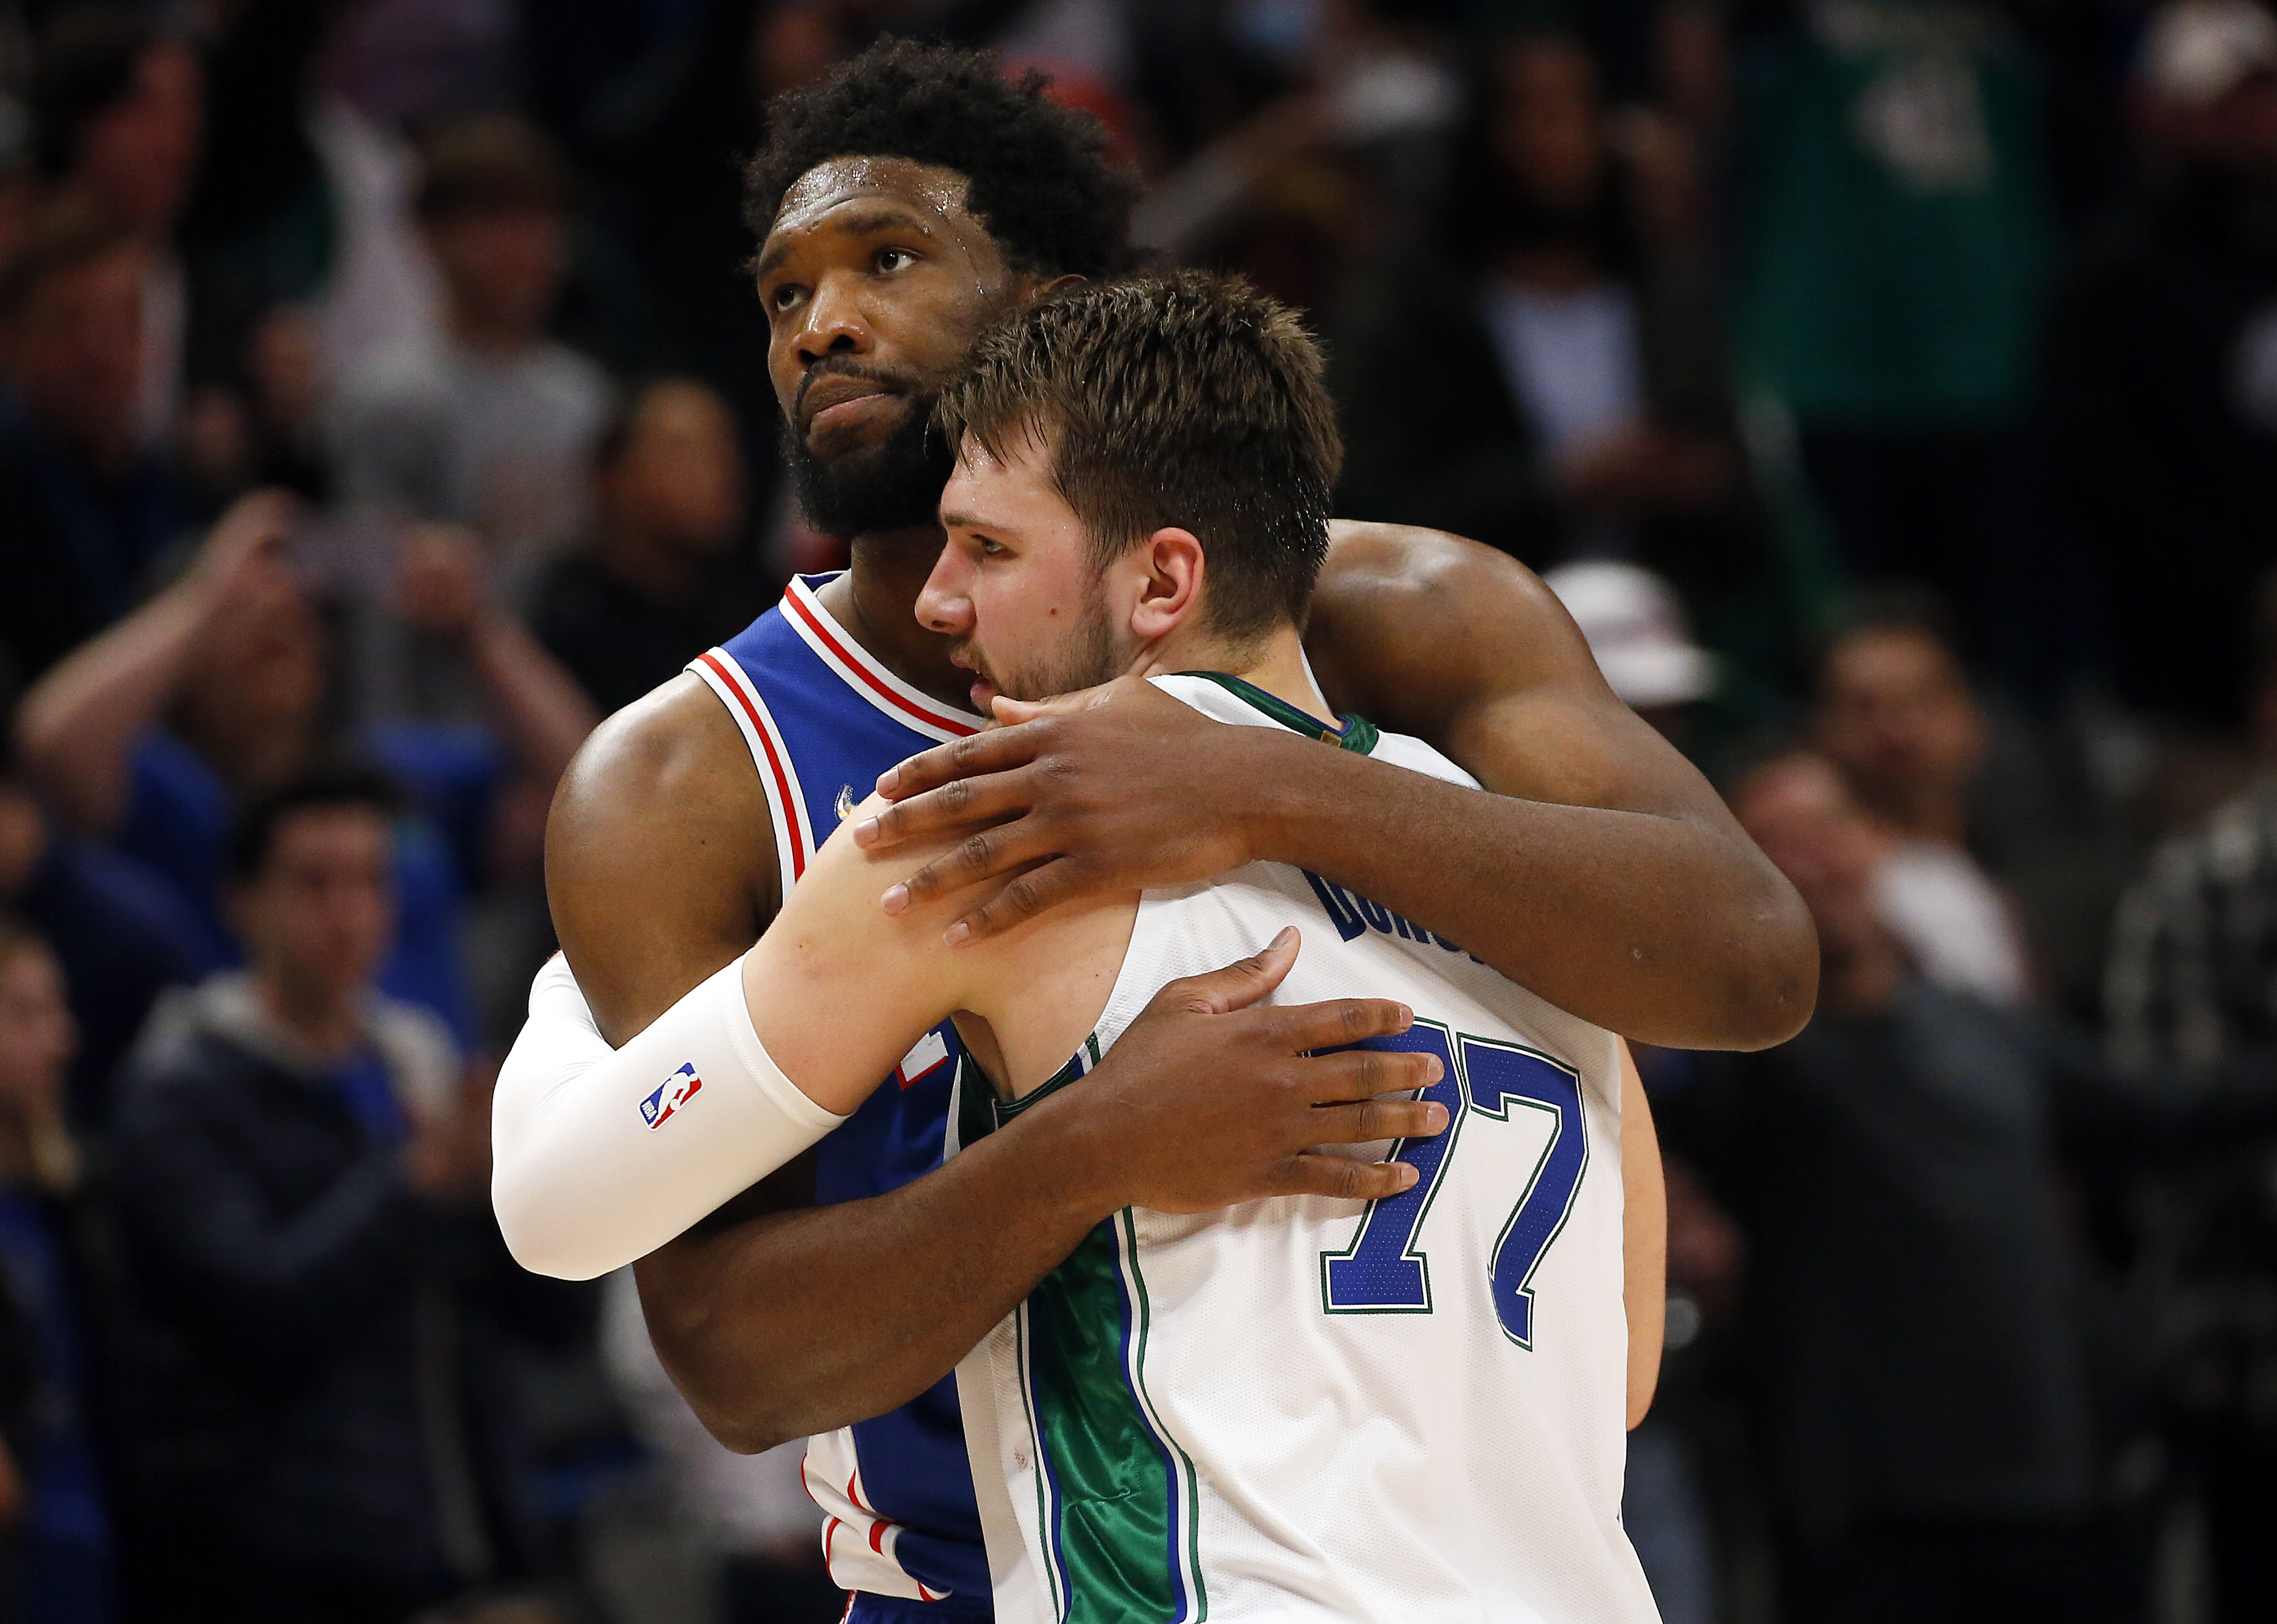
<point x="1200" y="1608"/>
<point x="1106" y="1479"/>
<point x="1357" y="734"/>
<point x="1110" y="1483"/>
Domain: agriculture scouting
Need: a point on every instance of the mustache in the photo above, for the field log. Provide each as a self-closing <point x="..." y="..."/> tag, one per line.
<point x="968" y="655"/>
<point x="840" y="366"/>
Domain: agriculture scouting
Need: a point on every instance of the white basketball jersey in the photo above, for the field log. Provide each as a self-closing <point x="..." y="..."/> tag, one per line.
<point x="1405" y="1410"/>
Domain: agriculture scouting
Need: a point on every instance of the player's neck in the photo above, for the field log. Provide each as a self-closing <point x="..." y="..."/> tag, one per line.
<point x="876" y="602"/>
<point x="1276" y="665"/>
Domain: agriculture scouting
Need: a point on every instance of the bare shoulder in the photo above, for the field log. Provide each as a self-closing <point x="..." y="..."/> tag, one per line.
<point x="1431" y="567"/>
<point x="1410" y="626"/>
<point x="659" y="854"/>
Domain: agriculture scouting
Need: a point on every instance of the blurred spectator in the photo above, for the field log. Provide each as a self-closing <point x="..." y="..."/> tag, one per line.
<point x="414" y="64"/>
<point x="1553" y="384"/>
<point x="1917" y="1376"/>
<point x="300" y="1171"/>
<point x="749" y="1515"/>
<point x="85" y="506"/>
<point x="1895" y="714"/>
<point x="118" y="107"/>
<point x="1893" y="253"/>
<point x="496" y="429"/>
<point x="60" y="1563"/>
<point x="670" y="572"/>
<point x="151" y="735"/>
<point x="265" y="429"/>
<point x="1635" y="627"/>
<point x="1359" y="137"/>
<point x="120" y="932"/>
<point x="2192" y="1004"/>
<point x="2163" y="369"/>
<point x="19" y="175"/>
<point x="304" y="201"/>
<point x="682" y="201"/>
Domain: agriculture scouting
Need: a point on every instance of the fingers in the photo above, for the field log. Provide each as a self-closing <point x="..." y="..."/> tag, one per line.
<point x="1011" y="712"/>
<point x="256" y="516"/>
<point x="988" y="855"/>
<point x="1337" y="1023"/>
<point x="994" y="751"/>
<point x="1363" y="1073"/>
<point x="251" y="533"/>
<point x="1237" y="986"/>
<point x="1024" y="897"/>
<point x="937" y="812"/>
<point x="1344" y="1178"/>
<point x="1375" y="1119"/>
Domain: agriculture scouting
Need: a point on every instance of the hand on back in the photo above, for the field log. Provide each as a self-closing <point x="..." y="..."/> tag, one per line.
<point x="1211" y="1098"/>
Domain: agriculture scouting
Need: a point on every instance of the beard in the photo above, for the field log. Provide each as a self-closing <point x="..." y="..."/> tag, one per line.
<point x="893" y="485"/>
<point x="1085" y="657"/>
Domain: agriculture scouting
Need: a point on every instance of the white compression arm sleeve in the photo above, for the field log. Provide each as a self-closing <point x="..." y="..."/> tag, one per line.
<point x="599" y="1156"/>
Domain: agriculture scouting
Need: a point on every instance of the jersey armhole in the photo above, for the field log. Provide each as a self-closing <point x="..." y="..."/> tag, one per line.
<point x="771" y="757"/>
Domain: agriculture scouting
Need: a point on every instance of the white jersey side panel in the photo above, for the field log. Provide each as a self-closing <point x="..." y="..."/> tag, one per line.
<point x="1305" y="1408"/>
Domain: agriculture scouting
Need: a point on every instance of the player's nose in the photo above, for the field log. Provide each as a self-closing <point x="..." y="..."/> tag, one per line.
<point x="832" y="324"/>
<point x="942" y="605"/>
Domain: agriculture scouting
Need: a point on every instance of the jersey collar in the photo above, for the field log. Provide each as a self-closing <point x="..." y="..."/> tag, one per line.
<point x="865" y="673"/>
<point x="1356" y="734"/>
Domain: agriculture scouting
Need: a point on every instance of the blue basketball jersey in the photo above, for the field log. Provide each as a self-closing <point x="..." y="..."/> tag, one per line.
<point x="823" y="720"/>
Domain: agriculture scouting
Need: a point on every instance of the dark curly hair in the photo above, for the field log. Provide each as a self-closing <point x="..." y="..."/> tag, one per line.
<point x="1039" y="176"/>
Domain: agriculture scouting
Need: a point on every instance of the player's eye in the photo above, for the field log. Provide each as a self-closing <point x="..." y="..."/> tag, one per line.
<point x="988" y="548"/>
<point x="890" y="260"/>
<point x="784" y="296"/>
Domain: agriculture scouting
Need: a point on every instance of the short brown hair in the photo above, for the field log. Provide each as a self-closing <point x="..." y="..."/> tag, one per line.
<point x="492" y="165"/>
<point x="1184" y="399"/>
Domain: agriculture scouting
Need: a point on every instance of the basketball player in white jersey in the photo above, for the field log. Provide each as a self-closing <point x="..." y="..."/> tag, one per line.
<point x="1411" y="1408"/>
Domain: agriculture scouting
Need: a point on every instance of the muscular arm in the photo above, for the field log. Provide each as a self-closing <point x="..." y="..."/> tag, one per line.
<point x="783" y="1319"/>
<point x="1602" y="872"/>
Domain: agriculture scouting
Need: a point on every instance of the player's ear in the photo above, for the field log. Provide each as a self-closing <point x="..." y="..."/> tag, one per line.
<point x="1035" y="288"/>
<point x="1170" y="582"/>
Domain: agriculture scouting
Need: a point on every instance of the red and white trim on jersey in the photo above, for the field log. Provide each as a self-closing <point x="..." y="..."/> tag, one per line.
<point x="867" y="676"/>
<point x="866" y="1562"/>
<point x="795" y="841"/>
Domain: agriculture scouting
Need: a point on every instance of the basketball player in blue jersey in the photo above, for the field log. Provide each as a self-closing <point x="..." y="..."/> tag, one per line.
<point x="904" y="203"/>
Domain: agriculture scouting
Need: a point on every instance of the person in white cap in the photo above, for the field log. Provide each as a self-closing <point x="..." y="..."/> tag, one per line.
<point x="1636" y="628"/>
<point x="2195" y="52"/>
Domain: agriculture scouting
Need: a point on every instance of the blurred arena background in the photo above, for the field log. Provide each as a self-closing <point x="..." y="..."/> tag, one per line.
<point x="1889" y="387"/>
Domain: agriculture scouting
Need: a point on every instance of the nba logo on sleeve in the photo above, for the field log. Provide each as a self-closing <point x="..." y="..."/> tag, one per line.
<point x="675" y="1092"/>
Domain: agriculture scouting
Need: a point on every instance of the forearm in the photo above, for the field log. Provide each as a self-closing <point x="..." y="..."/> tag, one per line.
<point x="79" y="724"/>
<point x="540" y="709"/>
<point x="806" y="1321"/>
<point x="600" y="1154"/>
<point x="1661" y="928"/>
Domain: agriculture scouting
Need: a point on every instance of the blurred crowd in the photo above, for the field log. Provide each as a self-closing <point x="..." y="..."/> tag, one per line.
<point x="1888" y="387"/>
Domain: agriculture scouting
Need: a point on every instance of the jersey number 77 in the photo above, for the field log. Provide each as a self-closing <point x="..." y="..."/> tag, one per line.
<point x="1382" y="1271"/>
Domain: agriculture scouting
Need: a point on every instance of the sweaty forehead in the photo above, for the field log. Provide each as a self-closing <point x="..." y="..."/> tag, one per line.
<point x="926" y="187"/>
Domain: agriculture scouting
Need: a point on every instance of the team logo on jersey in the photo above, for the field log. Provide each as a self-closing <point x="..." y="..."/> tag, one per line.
<point x="675" y="1092"/>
